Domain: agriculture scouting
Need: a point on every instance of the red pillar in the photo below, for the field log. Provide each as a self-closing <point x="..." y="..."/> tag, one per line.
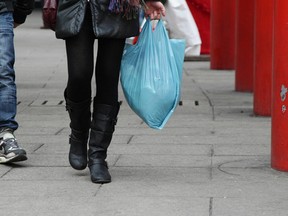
<point x="262" y="86"/>
<point x="244" y="45"/>
<point x="222" y="38"/>
<point x="279" y="148"/>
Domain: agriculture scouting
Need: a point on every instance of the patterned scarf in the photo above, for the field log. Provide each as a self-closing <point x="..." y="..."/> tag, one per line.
<point x="128" y="8"/>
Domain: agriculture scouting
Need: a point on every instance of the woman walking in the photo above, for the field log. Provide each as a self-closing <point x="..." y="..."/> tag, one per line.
<point x="79" y="23"/>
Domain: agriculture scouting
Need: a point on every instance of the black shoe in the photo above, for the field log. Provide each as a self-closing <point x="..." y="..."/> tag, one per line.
<point x="11" y="152"/>
<point x="99" y="171"/>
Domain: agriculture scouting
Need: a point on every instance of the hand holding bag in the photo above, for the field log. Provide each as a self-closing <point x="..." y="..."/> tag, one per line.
<point x="151" y="75"/>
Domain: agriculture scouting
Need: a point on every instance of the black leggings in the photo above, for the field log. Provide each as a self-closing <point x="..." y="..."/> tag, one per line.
<point x="80" y="57"/>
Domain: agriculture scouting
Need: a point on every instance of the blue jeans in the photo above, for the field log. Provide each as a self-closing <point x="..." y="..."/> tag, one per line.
<point x="8" y="98"/>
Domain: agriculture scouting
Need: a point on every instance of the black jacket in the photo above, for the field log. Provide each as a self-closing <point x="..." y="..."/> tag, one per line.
<point x="20" y="8"/>
<point x="71" y="14"/>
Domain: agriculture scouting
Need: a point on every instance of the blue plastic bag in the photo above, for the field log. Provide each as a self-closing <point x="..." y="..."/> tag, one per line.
<point x="151" y="75"/>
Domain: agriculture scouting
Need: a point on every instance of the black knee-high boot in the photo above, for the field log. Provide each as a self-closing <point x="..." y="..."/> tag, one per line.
<point x="80" y="116"/>
<point x="102" y="128"/>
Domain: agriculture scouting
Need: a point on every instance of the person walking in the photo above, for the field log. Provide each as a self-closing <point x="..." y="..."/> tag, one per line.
<point x="181" y="25"/>
<point x="12" y="14"/>
<point x="79" y="23"/>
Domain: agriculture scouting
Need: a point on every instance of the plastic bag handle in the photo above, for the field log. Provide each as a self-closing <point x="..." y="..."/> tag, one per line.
<point x="148" y="27"/>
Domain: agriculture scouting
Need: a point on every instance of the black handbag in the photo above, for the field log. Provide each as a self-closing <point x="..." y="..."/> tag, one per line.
<point x="71" y="15"/>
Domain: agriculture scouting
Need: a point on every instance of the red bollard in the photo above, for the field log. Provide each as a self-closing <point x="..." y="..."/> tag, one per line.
<point x="262" y="87"/>
<point x="279" y="148"/>
<point x="244" y="45"/>
<point x="222" y="38"/>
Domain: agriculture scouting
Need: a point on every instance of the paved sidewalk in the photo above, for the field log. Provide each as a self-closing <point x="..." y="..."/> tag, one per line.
<point x="211" y="159"/>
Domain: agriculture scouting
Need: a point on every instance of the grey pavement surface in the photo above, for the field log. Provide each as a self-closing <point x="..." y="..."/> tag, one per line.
<point x="211" y="159"/>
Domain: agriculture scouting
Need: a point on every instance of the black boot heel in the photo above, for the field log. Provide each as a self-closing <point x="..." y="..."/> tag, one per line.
<point x="99" y="171"/>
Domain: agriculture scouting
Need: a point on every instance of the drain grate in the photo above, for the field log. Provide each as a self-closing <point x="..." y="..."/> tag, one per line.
<point x="47" y="103"/>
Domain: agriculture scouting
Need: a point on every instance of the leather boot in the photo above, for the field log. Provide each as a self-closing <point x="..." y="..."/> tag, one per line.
<point x="102" y="128"/>
<point x="80" y="117"/>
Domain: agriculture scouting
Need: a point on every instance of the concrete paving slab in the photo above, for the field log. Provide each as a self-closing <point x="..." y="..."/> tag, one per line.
<point x="161" y="149"/>
<point x="55" y="160"/>
<point x="4" y="169"/>
<point x="164" y="161"/>
<point x="199" y="139"/>
<point x="23" y="172"/>
<point x="49" y="189"/>
<point x="110" y="206"/>
<point x="249" y="207"/>
<point x="181" y="131"/>
<point x="241" y="150"/>
<point x="255" y="161"/>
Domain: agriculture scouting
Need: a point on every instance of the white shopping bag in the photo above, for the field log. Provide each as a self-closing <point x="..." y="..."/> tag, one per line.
<point x="181" y="25"/>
